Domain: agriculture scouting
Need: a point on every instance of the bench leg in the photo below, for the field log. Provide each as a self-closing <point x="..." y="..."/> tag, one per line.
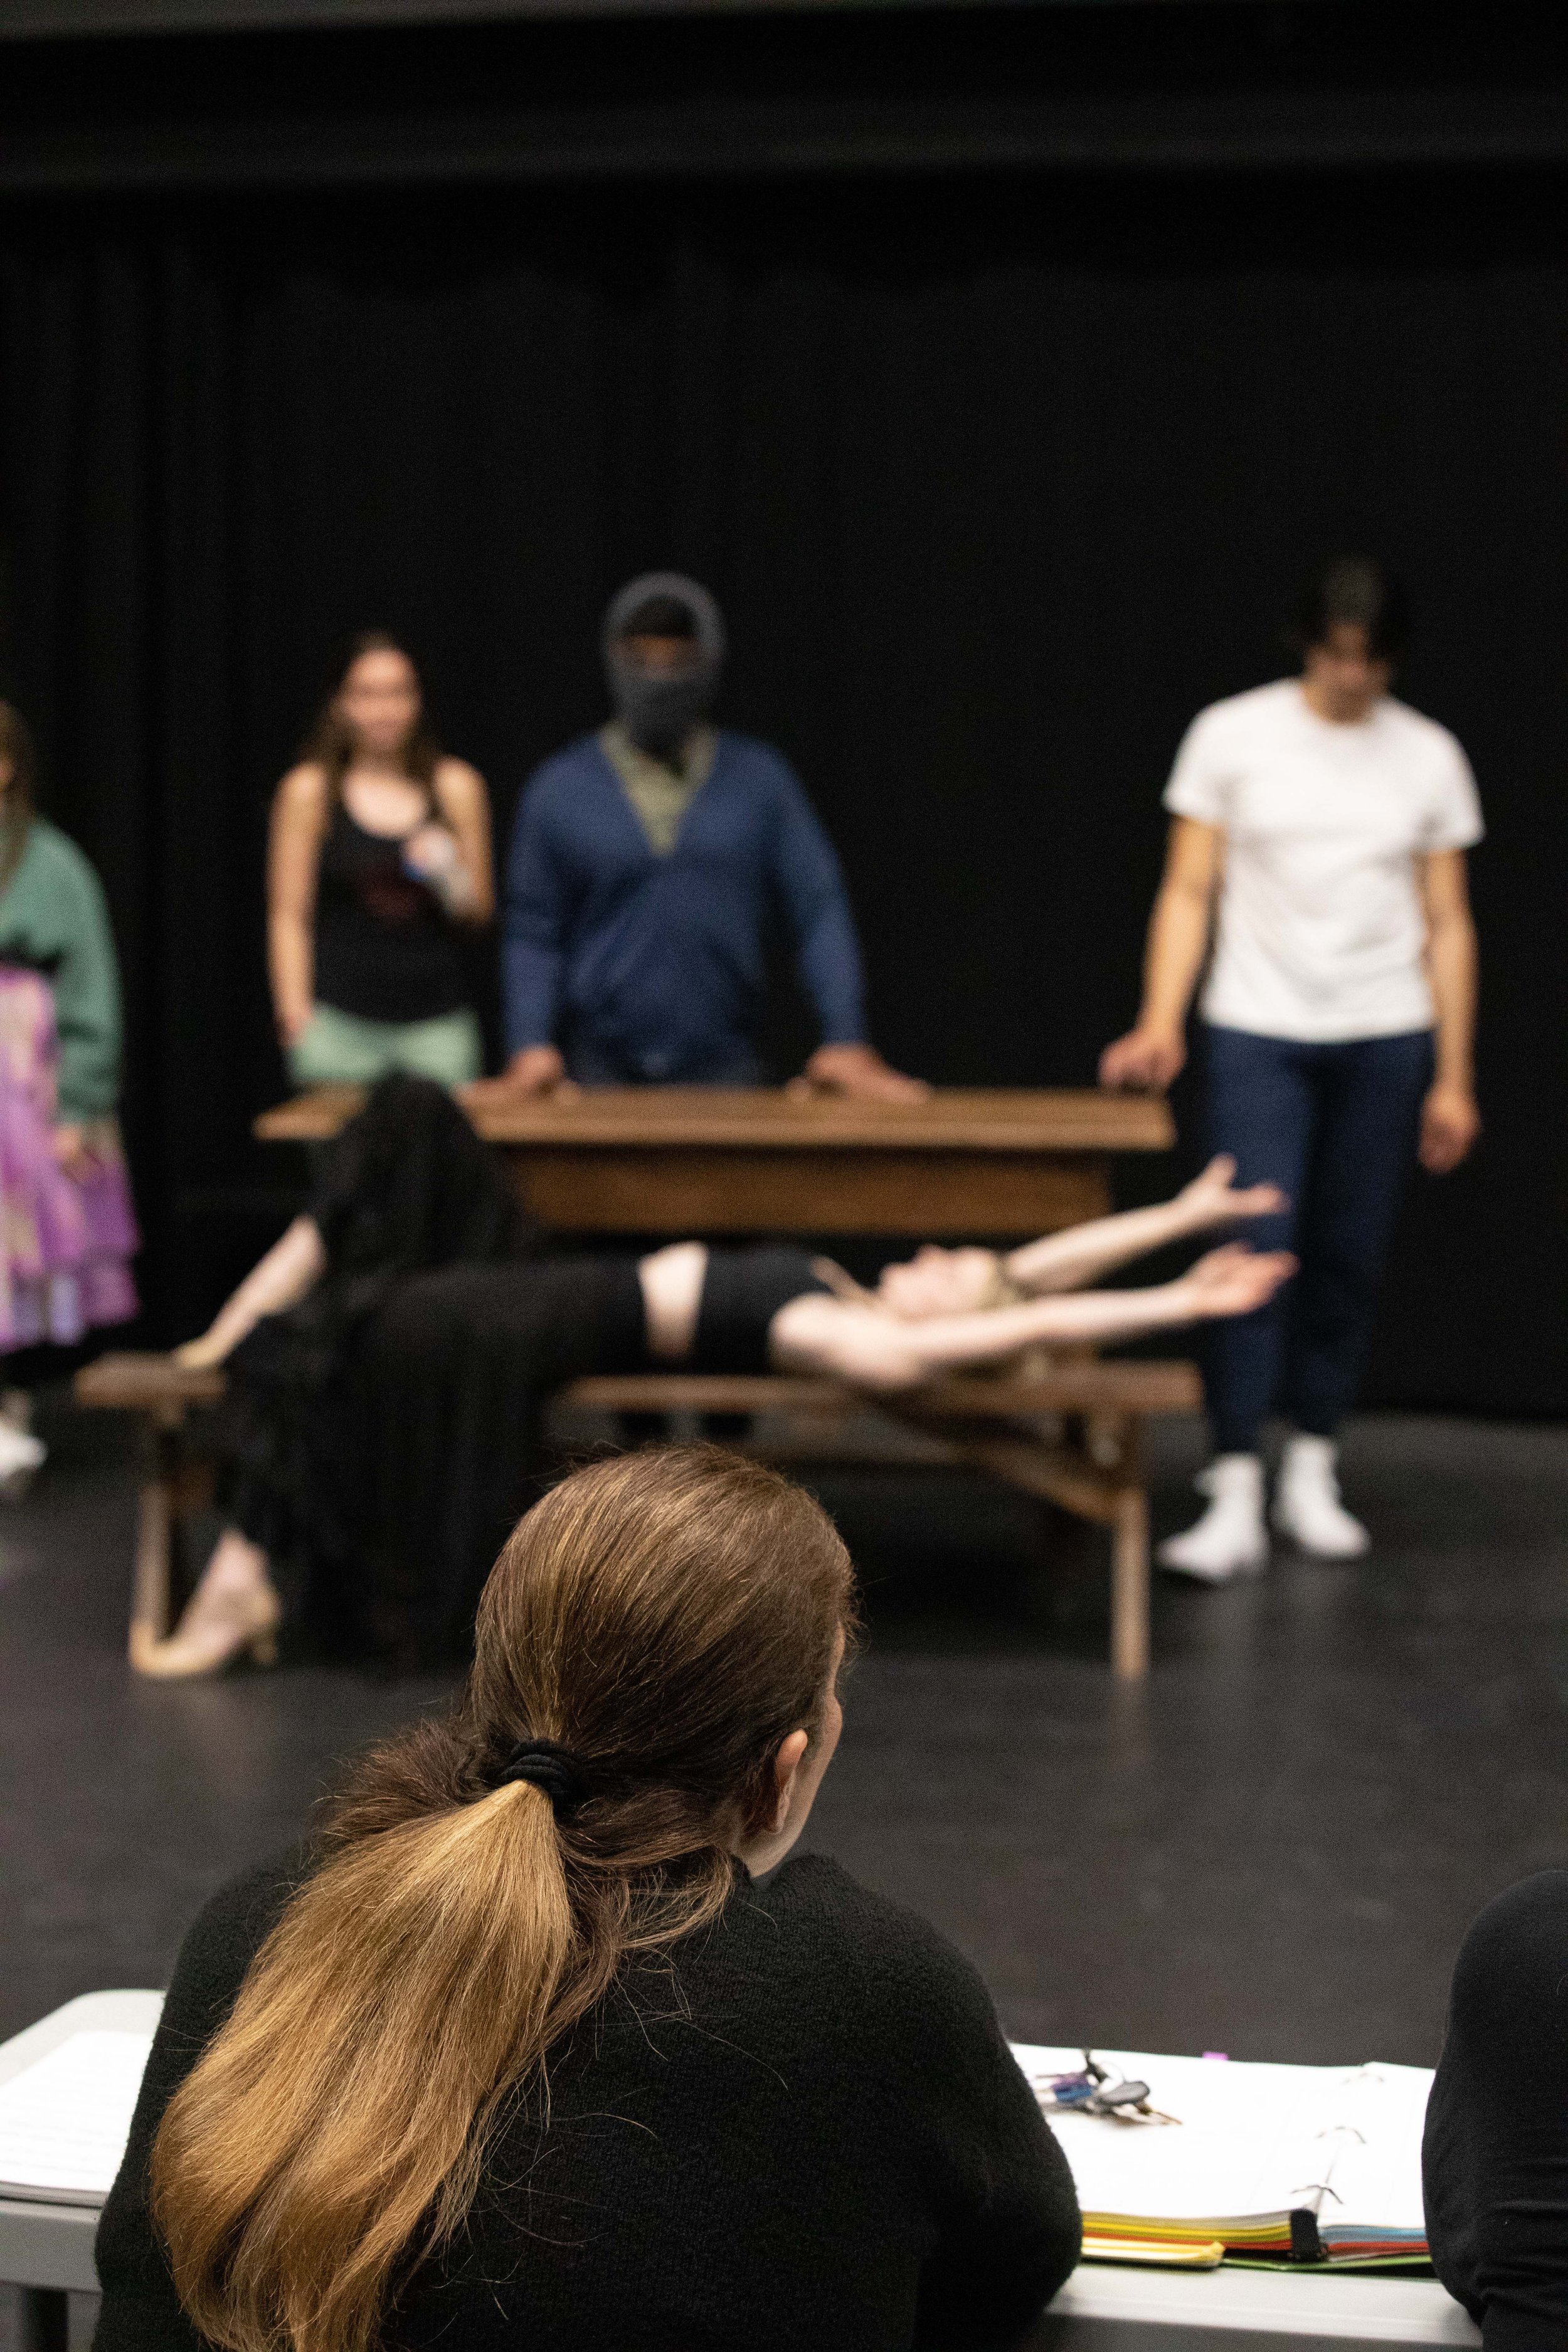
<point x="43" y="2319"/>
<point x="1129" y="1586"/>
<point x="152" y="1592"/>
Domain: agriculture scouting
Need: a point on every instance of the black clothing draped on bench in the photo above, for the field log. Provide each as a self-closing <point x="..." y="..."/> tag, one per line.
<point x="381" y="1440"/>
<point x="807" y="2132"/>
<point x="1495" y="2154"/>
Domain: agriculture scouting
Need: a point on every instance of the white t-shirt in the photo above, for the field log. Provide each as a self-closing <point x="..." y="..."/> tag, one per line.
<point x="1321" y="933"/>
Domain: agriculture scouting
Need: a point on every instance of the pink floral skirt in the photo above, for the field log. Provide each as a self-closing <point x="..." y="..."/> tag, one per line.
<point x="66" y="1241"/>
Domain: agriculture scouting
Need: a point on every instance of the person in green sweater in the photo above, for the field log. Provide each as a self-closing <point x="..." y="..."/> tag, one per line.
<point x="67" y="1230"/>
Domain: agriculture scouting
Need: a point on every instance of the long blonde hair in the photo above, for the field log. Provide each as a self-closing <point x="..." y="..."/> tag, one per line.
<point x="667" y="1618"/>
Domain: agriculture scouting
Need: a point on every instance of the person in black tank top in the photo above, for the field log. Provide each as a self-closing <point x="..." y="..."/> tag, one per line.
<point x="380" y="858"/>
<point x="386" y="948"/>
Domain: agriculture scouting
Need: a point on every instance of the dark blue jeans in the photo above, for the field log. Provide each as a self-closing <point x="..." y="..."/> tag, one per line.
<point x="1336" y="1126"/>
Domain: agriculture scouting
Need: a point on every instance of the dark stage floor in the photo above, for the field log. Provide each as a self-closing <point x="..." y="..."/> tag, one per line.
<point x="1274" y="1852"/>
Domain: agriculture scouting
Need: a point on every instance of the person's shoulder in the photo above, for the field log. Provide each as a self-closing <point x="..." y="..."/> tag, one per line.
<point x="54" y="857"/>
<point x="1256" y="706"/>
<point x="458" y="779"/>
<point x="882" y="1958"/>
<point x="1527" y="1920"/>
<point x="1428" y="735"/>
<point x="234" y="1923"/>
<point x="301" y="792"/>
<point x="565" y="770"/>
<point x="749" y="756"/>
<point x="48" y="845"/>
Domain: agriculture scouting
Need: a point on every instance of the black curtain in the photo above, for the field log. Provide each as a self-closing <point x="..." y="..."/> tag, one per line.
<point x="999" y="480"/>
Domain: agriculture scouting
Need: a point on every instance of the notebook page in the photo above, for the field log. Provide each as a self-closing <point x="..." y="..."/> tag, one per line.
<point x="1376" y="2175"/>
<point x="64" y="2120"/>
<point x="1253" y="2139"/>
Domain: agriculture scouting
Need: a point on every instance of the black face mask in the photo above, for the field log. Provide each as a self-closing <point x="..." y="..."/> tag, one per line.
<point x="658" y="713"/>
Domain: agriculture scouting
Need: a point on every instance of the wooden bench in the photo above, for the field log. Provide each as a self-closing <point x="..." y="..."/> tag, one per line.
<point x="1071" y="1435"/>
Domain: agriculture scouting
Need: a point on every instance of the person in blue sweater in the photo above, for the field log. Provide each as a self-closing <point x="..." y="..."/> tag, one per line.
<point x="645" y="864"/>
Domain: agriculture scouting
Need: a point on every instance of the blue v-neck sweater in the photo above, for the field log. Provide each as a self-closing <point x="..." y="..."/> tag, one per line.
<point x="661" y="961"/>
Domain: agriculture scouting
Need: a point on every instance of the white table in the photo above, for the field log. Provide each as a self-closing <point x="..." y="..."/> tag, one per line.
<point x="46" y="2251"/>
<point x="1112" y="2307"/>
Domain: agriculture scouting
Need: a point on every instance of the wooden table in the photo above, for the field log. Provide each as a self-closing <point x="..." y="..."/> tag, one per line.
<point x="700" y="1159"/>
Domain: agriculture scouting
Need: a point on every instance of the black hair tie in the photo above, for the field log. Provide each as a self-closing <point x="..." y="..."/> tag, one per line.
<point x="559" y="1771"/>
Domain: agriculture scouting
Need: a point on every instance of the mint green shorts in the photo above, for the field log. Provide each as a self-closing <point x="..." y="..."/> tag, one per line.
<point x="336" y="1047"/>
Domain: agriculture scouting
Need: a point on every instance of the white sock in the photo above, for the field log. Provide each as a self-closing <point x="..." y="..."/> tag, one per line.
<point x="1230" y="1539"/>
<point x="19" y="1450"/>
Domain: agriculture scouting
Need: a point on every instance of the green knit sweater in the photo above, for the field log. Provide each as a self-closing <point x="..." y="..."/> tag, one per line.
<point x="53" y="917"/>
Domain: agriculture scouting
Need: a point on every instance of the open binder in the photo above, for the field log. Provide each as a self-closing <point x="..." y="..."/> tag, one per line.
<point x="1275" y="2164"/>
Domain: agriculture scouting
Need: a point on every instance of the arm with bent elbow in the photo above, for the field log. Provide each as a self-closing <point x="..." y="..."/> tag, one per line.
<point x="292" y="1268"/>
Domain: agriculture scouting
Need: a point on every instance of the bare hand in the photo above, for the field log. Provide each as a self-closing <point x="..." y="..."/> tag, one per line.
<point x="1449" y="1125"/>
<point x="1234" y="1280"/>
<point x="430" y="851"/>
<point x="68" y="1143"/>
<point x="1214" y="1198"/>
<point x="535" y="1070"/>
<point x="1144" y="1061"/>
<point x="858" y="1071"/>
<point x="200" y="1354"/>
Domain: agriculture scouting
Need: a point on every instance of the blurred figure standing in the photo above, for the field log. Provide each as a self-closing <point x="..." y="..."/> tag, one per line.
<point x="380" y="855"/>
<point x="1319" y="834"/>
<point x="68" y="1230"/>
<point x="645" y="864"/>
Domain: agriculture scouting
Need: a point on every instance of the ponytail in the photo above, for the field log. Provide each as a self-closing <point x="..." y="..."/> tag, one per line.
<point x="669" y="1617"/>
<point x="339" y="2115"/>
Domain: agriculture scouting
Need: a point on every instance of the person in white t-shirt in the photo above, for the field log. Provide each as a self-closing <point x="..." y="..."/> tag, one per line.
<point x="1318" y="844"/>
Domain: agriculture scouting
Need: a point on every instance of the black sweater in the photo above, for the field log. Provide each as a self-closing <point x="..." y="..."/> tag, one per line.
<point x="1496" y="2152"/>
<point x="813" y="2133"/>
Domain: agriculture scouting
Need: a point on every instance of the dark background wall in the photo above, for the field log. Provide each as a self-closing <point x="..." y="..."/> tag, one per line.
<point x="1000" y="417"/>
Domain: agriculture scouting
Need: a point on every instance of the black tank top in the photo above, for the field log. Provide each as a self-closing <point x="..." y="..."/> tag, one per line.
<point x="385" y="948"/>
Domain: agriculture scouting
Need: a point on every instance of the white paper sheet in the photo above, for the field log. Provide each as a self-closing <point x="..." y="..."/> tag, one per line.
<point x="64" y="2120"/>
<point x="1345" y="2142"/>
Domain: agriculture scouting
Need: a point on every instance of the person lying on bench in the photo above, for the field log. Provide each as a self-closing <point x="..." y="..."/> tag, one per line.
<point x="521" y="2053"/>
<point x="392" y="1356"/>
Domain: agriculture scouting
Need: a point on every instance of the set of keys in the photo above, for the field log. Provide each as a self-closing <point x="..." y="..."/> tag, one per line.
<point x="1092" y="2091"/>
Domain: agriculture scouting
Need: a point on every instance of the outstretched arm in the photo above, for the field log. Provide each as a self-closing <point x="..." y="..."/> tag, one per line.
<point x="1068" y="1261"/>
<point x="292" y="1266"/>
<point x="816" y="1333"/>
